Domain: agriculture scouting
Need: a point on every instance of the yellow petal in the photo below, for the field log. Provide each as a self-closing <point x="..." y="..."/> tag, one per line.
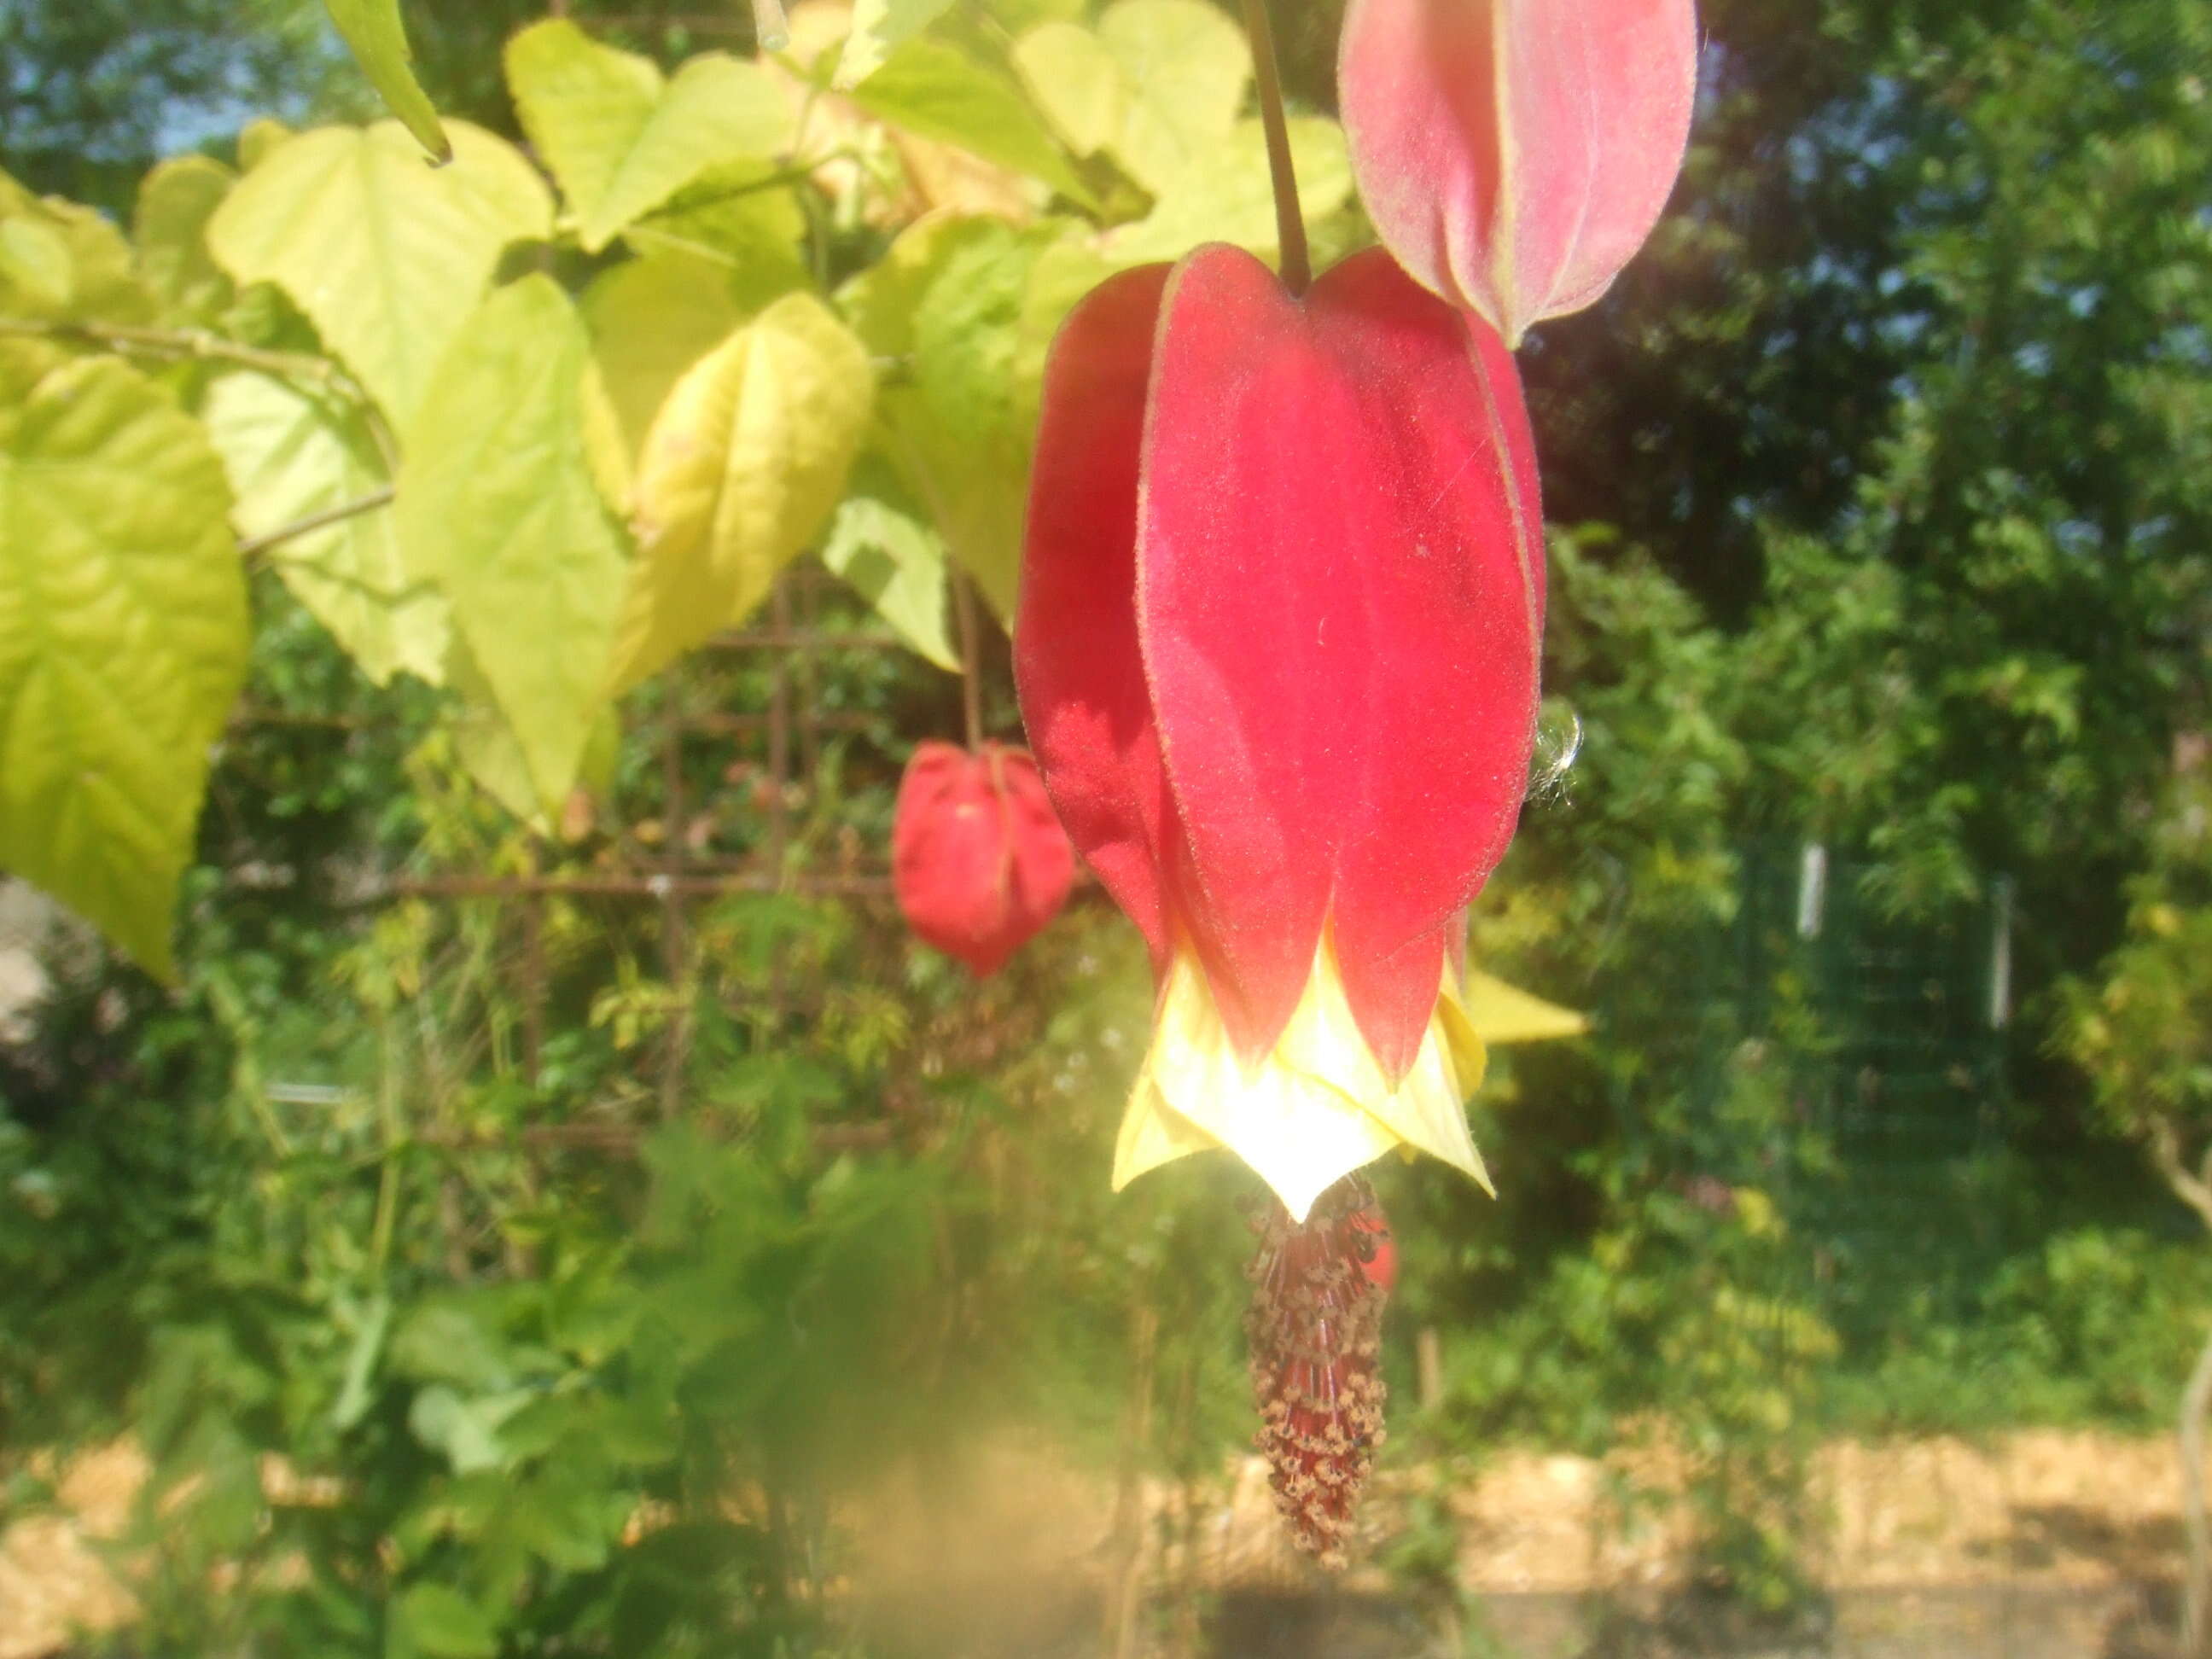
<point x="1463" y="1038"/>
<point x="1153" y="1133"/>
<point x="1315" y="1108"/>
<point x="1428" y="1110"/>
<point x="1505" y="1013"/>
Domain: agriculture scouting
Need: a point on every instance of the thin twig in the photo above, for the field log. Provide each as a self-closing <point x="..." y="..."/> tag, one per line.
<point x="2166" y="1151"/>
<point x="630" y="885"/>
<point x="1291" y="225"/>
<point x="971" y="667"/>
<point x="176" y="343"/>
<point x="253" y="546"/>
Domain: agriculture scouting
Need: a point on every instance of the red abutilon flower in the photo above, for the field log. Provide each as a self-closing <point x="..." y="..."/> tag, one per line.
<point x="1514" y="153"/>
<point x="978" y="860"/>
<point x="1277" y="648"/>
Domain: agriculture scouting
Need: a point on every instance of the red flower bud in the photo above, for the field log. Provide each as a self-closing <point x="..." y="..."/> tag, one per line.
<point x="1514" y="153"/>
<point x="978" y="859"/>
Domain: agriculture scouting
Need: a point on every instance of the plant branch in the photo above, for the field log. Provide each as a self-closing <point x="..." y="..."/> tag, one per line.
<point x="2197" y="1587"/>
<point x="255" y="545"/>
<point x="1291" y="225"/>
<point x="2165" y="1152"/>
<point x="178" y="343"/>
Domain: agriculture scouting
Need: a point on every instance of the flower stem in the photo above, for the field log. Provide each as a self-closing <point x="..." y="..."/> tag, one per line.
<point x="971" y="666"/>
<point x="1291" y="225"/>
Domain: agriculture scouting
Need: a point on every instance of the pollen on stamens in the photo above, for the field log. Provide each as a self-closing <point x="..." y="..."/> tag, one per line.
<point x="1314" y="1331"/>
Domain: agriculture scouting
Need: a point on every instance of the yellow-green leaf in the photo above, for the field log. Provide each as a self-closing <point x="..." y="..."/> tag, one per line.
<point x="741" y="469"/>
<point x="651" y="320"/>
<point x="499" y="508"/>
<point x="385" y="256"/>
<point x="878" y="27"/>
<point x="1065" y="271"/>
<point x="258" y="138"/>
<point x="293" y="453"/>
<point x="443" y="1623"/>
<point x="123" y="643"/>
<point x="621" y="142"/>
<point x="176" y="203"/>
<point x="377" y="40"/>
<point x="487" y="748"/>
<point x="59" y="257"/>
<point x="1076" y="82"/>
<point x="1232" y="198"/>
<point x="931" y="89"/>
<point x="950" y="297"/>
<point x="1184" y="69"/>
<point x="741" y="215"/>
<point x="36" y="272"/>
<point x="897" y="563"/>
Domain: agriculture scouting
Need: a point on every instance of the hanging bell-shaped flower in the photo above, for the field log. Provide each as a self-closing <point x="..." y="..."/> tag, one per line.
<point x="1514" y="153"/>
<point x="1278" y="649"/>
<point x="978" y="860"/>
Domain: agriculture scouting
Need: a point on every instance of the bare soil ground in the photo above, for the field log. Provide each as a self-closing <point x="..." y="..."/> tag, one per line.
<point x="2037" y="1545"/>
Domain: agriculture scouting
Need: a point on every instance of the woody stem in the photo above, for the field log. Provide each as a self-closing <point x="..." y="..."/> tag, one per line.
<point x="1291" y="225"/>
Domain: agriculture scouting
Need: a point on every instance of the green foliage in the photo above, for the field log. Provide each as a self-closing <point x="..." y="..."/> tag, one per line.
<point x="123" y="643"/>
<point x="2143" y="1033"/>
<point x="385" y="256"/>
<point x="378" y="40"/>
<point x="293" y="452"/>
<point x="500" y="510"/>
<point x="618" y="140"/>
<point x="519" y="1397"/>
<point x="460" y="469"/>
<point x="741" y="469"/>
<point x="940" y="92"/>
<point x="878" y="26"/>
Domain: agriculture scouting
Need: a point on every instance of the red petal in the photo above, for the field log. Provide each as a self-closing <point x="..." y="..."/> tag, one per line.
<point x="1339" y="600"/>
<point x="978" y="861"/>
<point x="1514" y="153"/>
<point x="1076" y="661"/>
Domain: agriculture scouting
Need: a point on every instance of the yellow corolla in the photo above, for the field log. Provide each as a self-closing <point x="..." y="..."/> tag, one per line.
<point x="1316" y="1107"/>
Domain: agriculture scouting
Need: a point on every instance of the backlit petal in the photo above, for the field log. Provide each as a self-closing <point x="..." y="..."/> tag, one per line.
<point x="1076" y="660"/>
<point x="1514" y="153"/>
<point x="1314" y="1109"/>
<point x="1339" y="595"/>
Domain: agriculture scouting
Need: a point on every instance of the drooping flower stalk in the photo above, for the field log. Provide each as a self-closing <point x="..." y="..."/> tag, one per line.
<point x="1296" y="262"/>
